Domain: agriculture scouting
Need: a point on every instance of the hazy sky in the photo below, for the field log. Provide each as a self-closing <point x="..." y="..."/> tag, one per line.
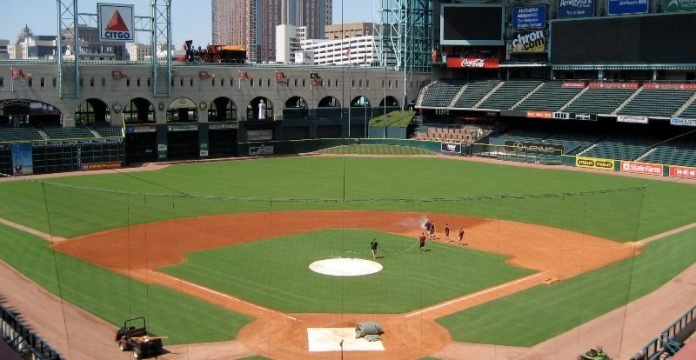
<point x="190" y="18"/>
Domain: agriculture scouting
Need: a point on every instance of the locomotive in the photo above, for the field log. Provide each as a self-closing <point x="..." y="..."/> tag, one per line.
<point x="214" y="54"/>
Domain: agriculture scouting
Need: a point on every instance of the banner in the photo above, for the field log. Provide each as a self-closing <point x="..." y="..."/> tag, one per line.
<point x="682" y="122"/>
<point x="116" y="22"/>
<point x="592" y="163"/>
<point x="529" y="42"/>
<point x="22" y="160"/>
<point x="535" y="148"/>
<point x="223" y="126"/>
<point x="182" y="127"/>
<point x="670" y="86"/>
<point x="540" y="114"/>
<point x="613" y="85"/>
<point x="101" y="165"/>
<point x="682" y="172"/>
<point x="575" y="8"/>
<point x="135" y="129"/>
<point x="618" y="7"/>
<point x="574" y="84"/>
<point x="633" y="119"/>
<point x="260" y="150"/>
<point x="641" y="168"/>
<point x="485" y="63"/>
<point x="679" y="5"/>
<point x="529" y="17"/>
<point x="262" y="134"/>
<point x="450" y="148"/>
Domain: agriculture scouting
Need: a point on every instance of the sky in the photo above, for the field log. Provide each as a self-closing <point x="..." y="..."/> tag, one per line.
<point x="190" y="18"/>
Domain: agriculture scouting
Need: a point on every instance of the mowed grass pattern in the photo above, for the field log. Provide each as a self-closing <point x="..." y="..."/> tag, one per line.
<point x="534" y="315"/>
<point x="115" y="298"/>
<point x="376" y="149"/>
<point x="275" y="273"/>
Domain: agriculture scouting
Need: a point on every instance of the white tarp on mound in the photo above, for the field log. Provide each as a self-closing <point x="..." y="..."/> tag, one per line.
<point x="346" y="267"/>
<point x="329" y="339"/>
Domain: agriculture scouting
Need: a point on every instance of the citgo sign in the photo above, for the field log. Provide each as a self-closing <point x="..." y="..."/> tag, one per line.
<point x="115" y="22"/>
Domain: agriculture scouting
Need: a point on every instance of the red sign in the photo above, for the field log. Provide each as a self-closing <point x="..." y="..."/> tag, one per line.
<point x="540" y="114"/>
<point x="101" y="165"/>
<point x="574" y="84"/>
<point x="116" y="23"/>
<point x="641" y="168"/>
<point x="654" y="86"/>
<point x="613" y="85"/>
<point x="17" y="73"/>
<point x="682" y="172"/>
<point x="481" y="63"/>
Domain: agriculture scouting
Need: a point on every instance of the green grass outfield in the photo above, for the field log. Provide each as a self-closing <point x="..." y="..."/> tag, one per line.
<point x="410" y="184"/>
<point x="275" y="272"/>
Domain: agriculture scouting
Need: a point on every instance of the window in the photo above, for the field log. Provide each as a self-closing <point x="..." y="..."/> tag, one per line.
<point x="103" y="82"/>
<point x="367" y="83"/>
<point x="191" y="82"/>
<point x="127" y="82"/>
<point x="148" y="82"/>
<point x="231" y="82"/>
<point x="181" y="82"/>
<point x="2" y="82"/>
<point x="55" y="82"/>
<point x="82" y="82"/>
<point x="212" y="82"/>
<point x="91" y="82"/>
<point x="43" y="82"/>
<point x="137" y="82"/>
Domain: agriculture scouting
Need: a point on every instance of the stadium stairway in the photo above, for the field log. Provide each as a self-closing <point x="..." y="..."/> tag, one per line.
<point x="628" y="100"/>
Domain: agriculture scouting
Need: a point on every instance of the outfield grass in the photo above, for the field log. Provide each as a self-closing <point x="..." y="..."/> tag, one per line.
<point x="537" y="314"/>
<point x="275" y="272"/>
<point x="619" y="216"/>
<point x="115" y="298"/>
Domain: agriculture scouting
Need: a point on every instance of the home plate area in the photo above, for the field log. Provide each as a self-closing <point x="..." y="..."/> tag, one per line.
<point x="329" y="339"/>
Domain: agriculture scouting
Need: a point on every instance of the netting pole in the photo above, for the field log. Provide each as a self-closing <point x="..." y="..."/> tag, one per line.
<point x="55" y="267"/>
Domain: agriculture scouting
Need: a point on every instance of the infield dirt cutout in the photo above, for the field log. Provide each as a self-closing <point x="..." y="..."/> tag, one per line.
<point x="554" y="253"/>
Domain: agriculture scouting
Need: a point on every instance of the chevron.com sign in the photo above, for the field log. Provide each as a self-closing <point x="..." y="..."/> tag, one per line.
<point x="116" y="22"/>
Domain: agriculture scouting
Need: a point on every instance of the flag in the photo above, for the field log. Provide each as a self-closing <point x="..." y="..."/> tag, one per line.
<point x="243" y="75"/>
<point x="17" y="74"/>
<point x="117" y="74"/>
<point x="204" y="75"/>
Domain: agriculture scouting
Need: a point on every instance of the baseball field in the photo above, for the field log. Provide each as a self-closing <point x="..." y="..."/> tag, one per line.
<point x="220" y="251"/>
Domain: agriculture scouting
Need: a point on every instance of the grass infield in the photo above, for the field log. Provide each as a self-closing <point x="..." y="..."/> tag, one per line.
<point x="275" y="272"/>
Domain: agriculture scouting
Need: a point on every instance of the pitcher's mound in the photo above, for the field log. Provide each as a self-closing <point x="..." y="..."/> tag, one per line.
<point x="331" y="339"/>
<point x="345" y="267"/>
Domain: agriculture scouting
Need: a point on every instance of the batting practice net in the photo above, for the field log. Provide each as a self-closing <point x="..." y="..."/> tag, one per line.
<point x="491" y="276"/>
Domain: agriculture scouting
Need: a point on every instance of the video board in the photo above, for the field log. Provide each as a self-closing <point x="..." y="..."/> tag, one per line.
<point x="472" y="25"/>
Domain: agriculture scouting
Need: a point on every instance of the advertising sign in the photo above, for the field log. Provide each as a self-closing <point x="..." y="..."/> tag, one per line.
<point x="683" y="122"/>
<point x="450" y="148"/>
<point x="574" y="84"/>
<point x="182" y="127"/>
<point x="593" y="163"/>
<point x="641" y="168"/>
<point x="22" y="161"/>
<point x="483" y="63"/>
<point x="540" y="114"/>
<point x="536" y="148"/>
<point x="633" y="119"/>
<point x="260" y="150"/>
<point x="575" y="8"/>
<point x="613" y="85"/>
<point x="101" y="165"/>
<point x="529" y="17"/>
<point x="135" y="129"/>
<point x="261" y="134"/>
<point x="529" y="42"/>
<point x="670" y="86"/>
<point x="116" y="22"/>
<point x="682" y="172"/>
<point x="679" y="5"/>
<point x="618" y="7"/>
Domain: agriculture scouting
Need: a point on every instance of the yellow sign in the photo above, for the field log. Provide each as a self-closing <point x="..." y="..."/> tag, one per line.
<point x="530" y="42"/>
<point x="592" y="163"/>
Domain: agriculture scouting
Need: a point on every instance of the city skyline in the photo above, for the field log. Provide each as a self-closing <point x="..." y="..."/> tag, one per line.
<point x="191" y="20"/>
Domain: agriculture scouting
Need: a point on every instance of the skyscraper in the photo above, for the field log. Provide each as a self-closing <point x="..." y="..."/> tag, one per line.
<point x="251" y="23"/>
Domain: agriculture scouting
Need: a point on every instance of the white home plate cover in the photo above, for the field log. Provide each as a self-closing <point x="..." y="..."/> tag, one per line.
<point x="345" y="267"/>
<point x="329" y="339"/>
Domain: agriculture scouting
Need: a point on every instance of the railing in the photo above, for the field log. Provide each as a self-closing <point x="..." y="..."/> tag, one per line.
<point x="22" y="340"/>
<point x="654" y="349"/>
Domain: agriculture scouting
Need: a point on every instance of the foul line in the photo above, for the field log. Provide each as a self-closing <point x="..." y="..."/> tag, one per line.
<point x="226" y="296"/>
<point x="29" y="230"/>
<point x="659" y="236"/>
<point x="467" y="297"/>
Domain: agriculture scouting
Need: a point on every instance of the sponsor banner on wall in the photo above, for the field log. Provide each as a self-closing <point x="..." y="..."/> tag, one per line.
<point x="482" y="63"/>
<point x="633" y="119"/>
<point x="574" y="84"/>
<point x="260" y="150"/>
<point x="652" y="86"/>
<point x="536" y="148"/>
<point x="594" y="163"/>
<point x="683" y="122"/>
<point x="575" y="8"/>
<point x="22" y="160"/>
<point x="613" y="85"/>
<point x="182" y="127"/>
<point x="529" y="42"/>
<point x="540" y="114"/>
<point x="115" y="22"/>
<point x="682" y="172"/>
<point x="101" y="165"/>
<point x="261" y="134"/>
<point x="641" y="168"/>
<point x="135" y="129"/>
<point x="679" y="5"/>
<point x="529" y="17"/>
<point x="618" y="7"/>
<point x="450" y="148"/>
<point x="224" y="126"/>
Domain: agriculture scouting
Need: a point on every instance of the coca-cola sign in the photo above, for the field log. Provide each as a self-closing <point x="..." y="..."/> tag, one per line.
<point x="481" y="63"/>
